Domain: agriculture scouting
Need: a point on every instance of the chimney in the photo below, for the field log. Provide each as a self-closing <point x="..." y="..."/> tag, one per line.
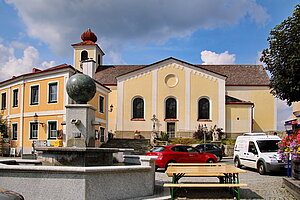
<point x="89" y="68"/>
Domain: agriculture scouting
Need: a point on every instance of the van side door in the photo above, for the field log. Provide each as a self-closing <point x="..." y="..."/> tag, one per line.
<point x="251" y="155"/>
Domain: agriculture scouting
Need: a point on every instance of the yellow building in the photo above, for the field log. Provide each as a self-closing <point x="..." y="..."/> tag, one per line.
<point x="181" y="95"/>
<point x="170" y="95"/>
<point x="34" y="106"/>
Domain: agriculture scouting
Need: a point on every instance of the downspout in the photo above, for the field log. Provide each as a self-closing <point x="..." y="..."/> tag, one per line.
<point x="22" y="117"/>
<point x="252" y="120"/>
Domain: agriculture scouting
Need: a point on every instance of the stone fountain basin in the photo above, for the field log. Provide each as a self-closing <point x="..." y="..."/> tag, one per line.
<point x="88" y="183"/>
<point x="76" y="156"/>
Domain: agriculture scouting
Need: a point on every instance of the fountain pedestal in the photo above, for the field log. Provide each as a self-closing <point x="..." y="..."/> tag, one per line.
<point x="80" y="125"/>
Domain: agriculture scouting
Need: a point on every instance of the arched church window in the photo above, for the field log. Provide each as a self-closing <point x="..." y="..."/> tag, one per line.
<point x="138" y="108"/>
<point x="203" y="108"/>
<point x="84" y="55"/>
<point x="171" y="108"/>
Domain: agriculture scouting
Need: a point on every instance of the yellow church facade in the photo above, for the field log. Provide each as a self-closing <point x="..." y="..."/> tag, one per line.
<point x="181" y="96"/>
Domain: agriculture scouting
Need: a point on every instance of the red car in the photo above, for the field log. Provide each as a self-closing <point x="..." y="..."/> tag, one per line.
<point x="179" y="154"/>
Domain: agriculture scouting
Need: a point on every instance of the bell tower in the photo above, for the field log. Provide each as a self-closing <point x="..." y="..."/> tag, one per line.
<point x="88" y="49"/>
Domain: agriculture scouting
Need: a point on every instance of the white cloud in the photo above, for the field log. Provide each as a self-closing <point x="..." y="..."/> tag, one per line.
<point x="212" y="58"/>
<point x="13" y="66"/>
<point x="284" y="113"/>
<point x="60" y="23"/>
<point x="257" y="61"/>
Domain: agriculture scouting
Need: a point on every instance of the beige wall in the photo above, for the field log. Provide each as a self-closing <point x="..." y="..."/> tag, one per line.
<point x="238" y="119"/>
<point x="178" y="92"/>
<point x="112" y="116"/>
<point x="203" y="86"/>
<point x="264" y="112"/>
<point x="155" y="86"/>
<point x="139" y="86"/>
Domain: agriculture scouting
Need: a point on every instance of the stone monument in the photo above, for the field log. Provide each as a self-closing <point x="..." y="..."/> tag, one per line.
<point x="80" y="119"/>
<point x="80" y="130"/>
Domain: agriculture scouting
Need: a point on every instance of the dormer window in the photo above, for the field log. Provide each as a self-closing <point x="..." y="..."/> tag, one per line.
<point x="84" y="55"/>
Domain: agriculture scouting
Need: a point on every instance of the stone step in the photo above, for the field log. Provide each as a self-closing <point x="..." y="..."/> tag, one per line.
<point x="140" y="146"/>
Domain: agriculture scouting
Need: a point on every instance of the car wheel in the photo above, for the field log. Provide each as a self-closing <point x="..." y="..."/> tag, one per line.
<point x="210" y="161"/>
<point x="219" y="158"/>
<point x="261" y="168"/>
<point x="237" y="163"/>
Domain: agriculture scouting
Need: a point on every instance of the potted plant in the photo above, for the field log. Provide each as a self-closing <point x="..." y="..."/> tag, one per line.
<point x="289" y="147"/>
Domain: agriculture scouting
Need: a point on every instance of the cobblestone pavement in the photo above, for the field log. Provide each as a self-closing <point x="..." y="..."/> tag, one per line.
<point x="268" y="187"/>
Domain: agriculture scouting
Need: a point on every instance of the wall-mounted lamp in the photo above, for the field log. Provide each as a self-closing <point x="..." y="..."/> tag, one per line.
<point x="36" y="119"/>
<point x="111" y="107"/>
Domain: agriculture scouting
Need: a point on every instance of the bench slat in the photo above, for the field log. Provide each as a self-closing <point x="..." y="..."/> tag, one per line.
<point x="204" y="185"/>
<point x="200" y="175"/>
<point x="197" y="164"/>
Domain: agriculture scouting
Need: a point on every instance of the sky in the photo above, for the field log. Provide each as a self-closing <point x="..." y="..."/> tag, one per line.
<point x="39" y="34"/>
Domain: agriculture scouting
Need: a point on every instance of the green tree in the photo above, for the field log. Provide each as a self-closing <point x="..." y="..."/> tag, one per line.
<point x="3" y="126"/>
<point x="282" y="58"/>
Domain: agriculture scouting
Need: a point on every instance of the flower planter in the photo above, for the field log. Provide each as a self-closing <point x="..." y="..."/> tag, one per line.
<point x="296" y="169"/>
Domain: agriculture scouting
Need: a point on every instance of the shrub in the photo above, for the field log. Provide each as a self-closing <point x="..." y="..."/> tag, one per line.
<point x="228" y="141"/>
<point x="164" y="136"/>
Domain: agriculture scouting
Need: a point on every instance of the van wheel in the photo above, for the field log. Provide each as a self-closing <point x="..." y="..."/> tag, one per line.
<point x="261" y="168"/>
<point x="237" y="163"/>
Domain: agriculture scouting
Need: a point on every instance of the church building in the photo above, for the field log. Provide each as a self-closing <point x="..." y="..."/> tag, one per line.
<point x="175" y="96"/>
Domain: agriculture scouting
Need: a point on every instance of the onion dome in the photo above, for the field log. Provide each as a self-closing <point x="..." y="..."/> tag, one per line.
<point x="89" y="36"/>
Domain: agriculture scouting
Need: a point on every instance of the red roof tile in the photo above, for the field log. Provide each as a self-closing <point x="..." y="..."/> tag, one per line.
<point x="237" y="75"/>
<point x="87" y="42"/>
<point x="38" y="71"/>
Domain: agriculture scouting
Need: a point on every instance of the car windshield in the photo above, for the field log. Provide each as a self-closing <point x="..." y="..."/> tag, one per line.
<point x="268" y="145"/>
<point x="158" y="149"/>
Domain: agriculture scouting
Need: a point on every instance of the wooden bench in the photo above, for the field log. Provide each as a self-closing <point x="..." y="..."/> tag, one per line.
<point x="205" y="185"/>
<point x="234" y="186"/>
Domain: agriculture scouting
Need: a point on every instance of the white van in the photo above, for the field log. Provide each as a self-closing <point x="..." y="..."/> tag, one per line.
<point x="258" y="151"/>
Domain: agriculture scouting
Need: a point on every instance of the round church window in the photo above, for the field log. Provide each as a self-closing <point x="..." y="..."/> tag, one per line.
<point x="171" y="80"/>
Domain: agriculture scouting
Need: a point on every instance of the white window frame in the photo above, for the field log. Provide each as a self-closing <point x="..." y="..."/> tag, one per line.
<point x="209" y="109"/>
<point x="136" y="97"/>
<point x="177" y="106"/>
<point x="48" y="92"/>
<point x="33" y="122"/>
<point x="48" y="132"/>
<point x="5" y="101"/>
<point x="102" y="105"/>
<point x="12" y="131"/>
<point x="13" y="98"/>
<point x="100" y="133"/>
<point x="30" y="99"/>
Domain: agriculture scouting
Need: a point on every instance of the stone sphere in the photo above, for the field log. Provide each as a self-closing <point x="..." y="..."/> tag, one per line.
<point x="81" y="88"/>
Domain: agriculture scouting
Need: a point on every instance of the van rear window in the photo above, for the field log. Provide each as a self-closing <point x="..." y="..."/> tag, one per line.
<point x="268" y="145"/>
